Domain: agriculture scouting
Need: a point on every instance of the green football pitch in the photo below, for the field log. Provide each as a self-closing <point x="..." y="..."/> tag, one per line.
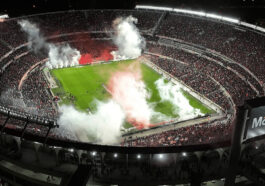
<point x="81" y="86"/>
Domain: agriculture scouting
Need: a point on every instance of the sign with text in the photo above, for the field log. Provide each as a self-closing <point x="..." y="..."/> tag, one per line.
<point x="255" y="124"/>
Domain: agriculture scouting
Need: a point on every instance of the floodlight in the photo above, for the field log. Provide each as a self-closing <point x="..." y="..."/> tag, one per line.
<point x="71" y="150"/>
<point x="232" y="20"/>
<point x="214" y="16"/>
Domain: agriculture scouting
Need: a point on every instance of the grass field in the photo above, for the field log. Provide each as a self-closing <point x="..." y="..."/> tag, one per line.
<point x="85" y="84"/>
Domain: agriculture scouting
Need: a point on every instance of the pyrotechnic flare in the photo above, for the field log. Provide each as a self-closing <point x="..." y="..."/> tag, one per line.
<point x="36" y="41"/>
<point x="62" y="56"/>
<point x="59" y="56"/>
<point x="104" y="126"/>
<point x="127" y="38"/>
<point x="172" y="93"/>
<point x="129" y="91"/>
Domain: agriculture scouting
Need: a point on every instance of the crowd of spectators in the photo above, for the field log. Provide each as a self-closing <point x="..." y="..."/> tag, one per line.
<point x="198" y="71"/>
<point x="194" y="79"/>
<point x="11" y="34"/>
<point x="98" y="20"/>
<point x="244" y="46"/>
<point x="248" y="77"/>
<point x="203" y="133"/>
<point x="16" y="69"/>
<point x="18" y="125"/>
<point x="195" y="71"/>
<point x="4" y="49"/>
<point x="35" y="94"/>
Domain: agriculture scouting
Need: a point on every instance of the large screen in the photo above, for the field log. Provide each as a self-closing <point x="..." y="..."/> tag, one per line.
<point x="255" y="123"/>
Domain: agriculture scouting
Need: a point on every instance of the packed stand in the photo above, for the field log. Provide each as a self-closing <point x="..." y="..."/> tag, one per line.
<point x="198" y="82"/>
<point x="198" y="70"/>
<point x="98" y="20"/>
<point x="203" y="133"/>
<point x="3" y="48"/>
<point x="36" y="95"/>
<point x="220" y="37"/>
<point x="11" y="34"/>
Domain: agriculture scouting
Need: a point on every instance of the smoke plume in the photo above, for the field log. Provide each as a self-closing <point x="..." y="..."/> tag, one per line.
<point x="129" y="91"/>
<point x="128" y="102"/>
<point x="127" y="38"/>
<point x="36" y="41"/>
<point x="172" y="93"/>
<point x="62" y="56"/>
<point x="104" y="126"/>
<point x="59" y="56"/>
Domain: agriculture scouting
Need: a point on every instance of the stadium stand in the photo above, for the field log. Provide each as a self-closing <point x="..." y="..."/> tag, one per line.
<point x="197" y="71"/>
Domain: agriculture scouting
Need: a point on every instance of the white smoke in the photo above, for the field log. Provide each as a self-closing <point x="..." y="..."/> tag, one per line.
<point x="13" y="99"/>
<point x="62" y="56"/>
<point x="104" y="126"/>
<point x="128" y="103"/>
<point x="35" y="39"/>
<point x="172" y="93"/>
<point x="59" y="56"/>
<point x="127" y="38"/>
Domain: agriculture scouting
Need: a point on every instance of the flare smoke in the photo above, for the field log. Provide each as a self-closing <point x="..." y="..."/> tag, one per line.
<point x="127" y="38"/>
<point x="104" y="126"/>
<point x="172" y="93"/>
<point x="59" y="56"/>
<point x="128" y="90"/>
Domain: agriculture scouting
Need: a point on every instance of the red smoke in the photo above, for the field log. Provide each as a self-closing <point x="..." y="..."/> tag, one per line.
<point x="88" y="58"/>
<point x="92" y="50"/>
<point x="128" y="90"/>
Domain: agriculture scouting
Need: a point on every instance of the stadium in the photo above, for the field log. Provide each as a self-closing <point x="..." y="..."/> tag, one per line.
<point x="77" y="108"/>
